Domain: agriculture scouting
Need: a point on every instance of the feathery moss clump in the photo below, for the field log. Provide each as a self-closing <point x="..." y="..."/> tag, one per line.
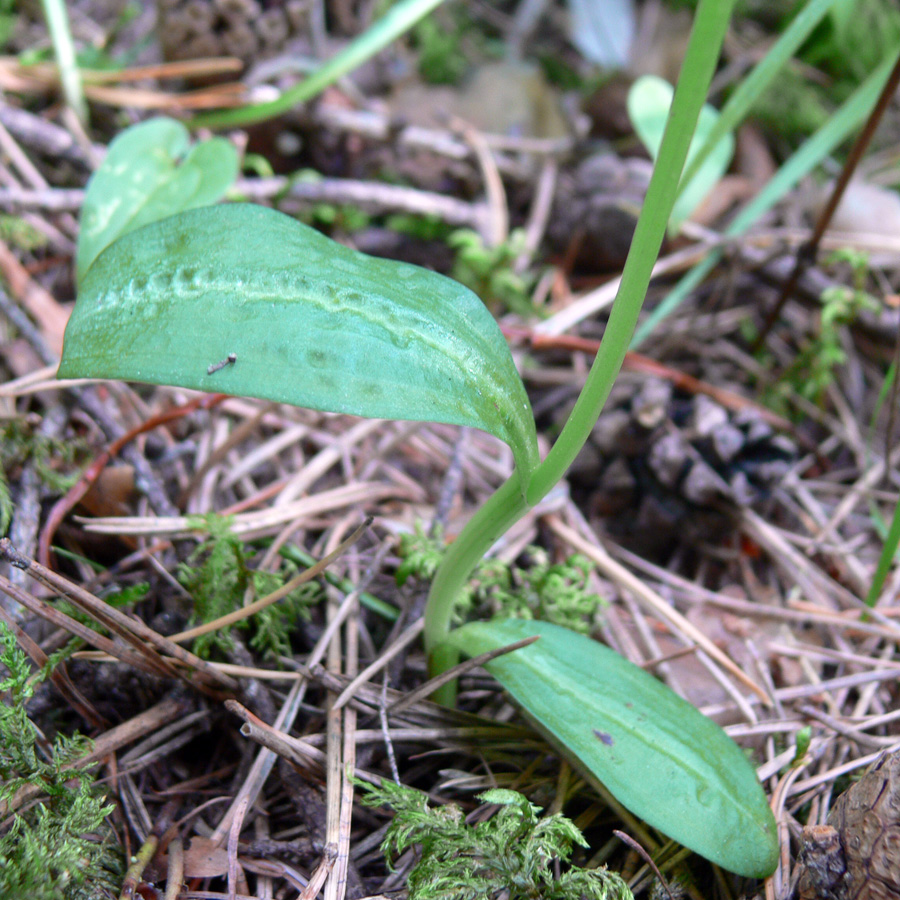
<point x="509" y="855"/>
<point x="61" y="845"/>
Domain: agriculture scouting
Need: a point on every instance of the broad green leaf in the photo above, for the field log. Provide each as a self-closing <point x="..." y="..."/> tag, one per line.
<point x="653" y="751"/>
<point x="150" y="173"/>
<point x="649" y="101"/>
<point x="307" y="320"/>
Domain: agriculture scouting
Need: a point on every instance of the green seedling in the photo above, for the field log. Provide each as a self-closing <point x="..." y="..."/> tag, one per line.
<point x="244" y="300"/>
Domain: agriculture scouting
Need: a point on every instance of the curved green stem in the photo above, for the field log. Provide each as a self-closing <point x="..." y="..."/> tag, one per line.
<point x="503" y="508"/>
<point x="507" y="504"/>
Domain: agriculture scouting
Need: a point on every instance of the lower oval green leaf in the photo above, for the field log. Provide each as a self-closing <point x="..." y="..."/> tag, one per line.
<point x="654" y="752"/>
<point x="244" y="300"/>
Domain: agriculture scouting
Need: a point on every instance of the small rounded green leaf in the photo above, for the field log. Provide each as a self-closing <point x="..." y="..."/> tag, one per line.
<point x="244" y="300"/>
<point x="649" y="101"/>
<point x="655" y="753"/>
<point x="150" y="172"/>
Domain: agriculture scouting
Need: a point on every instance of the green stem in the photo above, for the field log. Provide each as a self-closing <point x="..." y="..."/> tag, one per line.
<point x="488" y="524"/>
<point x="64" y="49"/>
<point x="507" y="505"/>
<point x="398" y="20"/>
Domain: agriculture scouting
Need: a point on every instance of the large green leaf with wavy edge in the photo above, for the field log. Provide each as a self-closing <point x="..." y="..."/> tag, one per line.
<point x="655" y="753"/>
<point x="309" y="322"/>
<point x="150" y="172"/>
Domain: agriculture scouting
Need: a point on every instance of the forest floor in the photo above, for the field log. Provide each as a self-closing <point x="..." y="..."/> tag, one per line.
<point x="728" y="513"/>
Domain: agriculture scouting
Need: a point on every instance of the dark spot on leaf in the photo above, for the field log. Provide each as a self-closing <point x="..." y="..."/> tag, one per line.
<point x="604" y="738"/>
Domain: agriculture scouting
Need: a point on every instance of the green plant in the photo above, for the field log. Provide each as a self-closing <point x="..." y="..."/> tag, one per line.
<point x="61" y="846"/>
<point x="218" y="576"/>
<point x="510" y="854"/>
<point x="20" y="445"/>
<point x="306" y="321"/>
<point x="812" y="371"/>
<point x="490" y="272"/>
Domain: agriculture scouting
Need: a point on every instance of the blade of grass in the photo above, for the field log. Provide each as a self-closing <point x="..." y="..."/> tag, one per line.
<point x="748" y="91"/>
<point x="398" y="20"/>
<point x="886" y="559"/>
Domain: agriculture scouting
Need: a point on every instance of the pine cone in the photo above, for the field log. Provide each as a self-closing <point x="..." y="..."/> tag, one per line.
<point x="662" y="465"/>
<point x="248" y="29"/>
<point x="856" y="856"/>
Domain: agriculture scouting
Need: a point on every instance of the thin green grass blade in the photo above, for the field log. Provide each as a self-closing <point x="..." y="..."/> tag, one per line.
<point x="64" y="50"/>
<point x="750" y="88"/>
<point x="399" y="19"/>
<point x="886" y="559"/>
<point x="245" y="300"/>
<point x="655" y="753"/>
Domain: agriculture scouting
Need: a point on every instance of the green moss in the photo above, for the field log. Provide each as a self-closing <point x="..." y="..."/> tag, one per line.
<point x="218" y="576"/>
<point x="550" y="592"/>
<point x="491" y="272"/>
<point x="508" y="855"/>
<point x="52" y="459"/>
<point x="60" y="846"/>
